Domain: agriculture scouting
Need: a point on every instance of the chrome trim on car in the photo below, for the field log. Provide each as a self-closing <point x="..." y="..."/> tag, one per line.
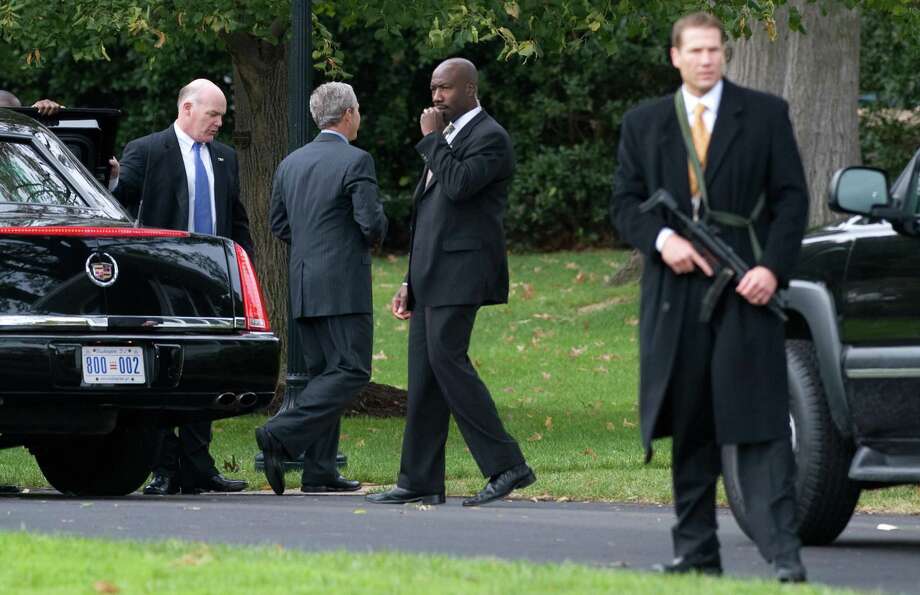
<point x="31" y="322"/>
<point x="861" y="373"/>
<point x="115" y="323"/>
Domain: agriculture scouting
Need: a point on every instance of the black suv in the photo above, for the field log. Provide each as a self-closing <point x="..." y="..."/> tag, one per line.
<point x="853" y="352"/>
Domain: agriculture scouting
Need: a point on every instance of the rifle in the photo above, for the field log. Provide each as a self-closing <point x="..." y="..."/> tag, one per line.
<point x="726" y="264"/>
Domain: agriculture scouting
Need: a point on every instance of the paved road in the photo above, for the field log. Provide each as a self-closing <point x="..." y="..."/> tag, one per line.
<point x="612" y="535"/>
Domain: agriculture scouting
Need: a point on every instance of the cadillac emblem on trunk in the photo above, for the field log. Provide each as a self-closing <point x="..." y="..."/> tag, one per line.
<point x="101" y="269"/>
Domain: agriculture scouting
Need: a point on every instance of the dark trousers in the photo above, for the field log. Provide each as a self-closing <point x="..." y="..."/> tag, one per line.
<point x="766" y="469"/>
<point x="443" y="382"/>
<point x="337" y="351"/>
<point x="185" y="456"/>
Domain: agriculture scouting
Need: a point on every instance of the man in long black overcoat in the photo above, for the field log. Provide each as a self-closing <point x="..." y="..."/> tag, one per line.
<point x="720" y="382"/>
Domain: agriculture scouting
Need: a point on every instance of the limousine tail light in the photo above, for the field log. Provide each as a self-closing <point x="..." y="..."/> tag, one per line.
<point x="93" y="232"/>
<point x="253" y="301"/>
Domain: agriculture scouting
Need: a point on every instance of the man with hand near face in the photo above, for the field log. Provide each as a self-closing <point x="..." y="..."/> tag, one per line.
<point x="729" y="157"/>
<point x="181" y="178"/>
<point x="457" y="264"/>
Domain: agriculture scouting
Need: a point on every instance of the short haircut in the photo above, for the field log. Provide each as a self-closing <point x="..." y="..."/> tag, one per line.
<point x="7" y="99"/>
<point x="700" y="20"/>
<point x="190" y="91"/>
<point x="329" y="101"/>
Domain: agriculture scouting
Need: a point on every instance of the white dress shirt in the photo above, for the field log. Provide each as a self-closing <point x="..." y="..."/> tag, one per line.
<point x="711" y="99"/>
<point x="187" y="148"/>
<point x="461" y="122"/>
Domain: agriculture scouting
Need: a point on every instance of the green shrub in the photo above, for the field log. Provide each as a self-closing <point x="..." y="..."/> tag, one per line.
<point x="559" y="198"/>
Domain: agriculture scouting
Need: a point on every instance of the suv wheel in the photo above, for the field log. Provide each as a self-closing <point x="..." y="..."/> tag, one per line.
<point x="113" y="464"/>
<point x="826" y="495"/>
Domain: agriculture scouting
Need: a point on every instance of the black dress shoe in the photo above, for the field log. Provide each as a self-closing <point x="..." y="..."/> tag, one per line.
<point x="339" y="484"/>
<point x="219" y="483"/>
<point x="273" y="457"/>
<point x="789" y="569"/>
<point x="519" y="476"/>
<point x="711" y="566"/>
<point x="400" y="495"/>
<point x="162" y="485"/>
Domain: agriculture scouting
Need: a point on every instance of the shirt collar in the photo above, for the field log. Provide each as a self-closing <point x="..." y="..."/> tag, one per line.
<point x="335" y="132"/>
<point x="465" y="119"/>
<point x="711" y="99"/>
<point x="185" y="141"/>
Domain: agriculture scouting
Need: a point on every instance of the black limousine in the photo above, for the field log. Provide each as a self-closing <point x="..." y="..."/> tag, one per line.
<point x="107" y="330"/>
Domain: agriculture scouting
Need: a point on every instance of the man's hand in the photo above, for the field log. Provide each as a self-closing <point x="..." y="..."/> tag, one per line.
<point x="432" y="120"/>
<point x="46" y="107"/>
<point x="400" y="303"/>
<point x="682" y="257"/>
<point x="114" y="168"/>
<point x="757" y="286"/>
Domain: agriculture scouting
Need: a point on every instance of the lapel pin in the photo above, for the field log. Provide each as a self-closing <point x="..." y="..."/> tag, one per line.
<point x="220" y="158"/>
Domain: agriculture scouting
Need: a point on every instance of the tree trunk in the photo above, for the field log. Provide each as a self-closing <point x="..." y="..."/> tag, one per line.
<point x="818" y="74"/>
<point x="260" y="138"/>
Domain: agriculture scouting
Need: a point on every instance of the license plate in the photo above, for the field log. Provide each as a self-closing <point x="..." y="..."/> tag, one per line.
<point x="113" y="365"/>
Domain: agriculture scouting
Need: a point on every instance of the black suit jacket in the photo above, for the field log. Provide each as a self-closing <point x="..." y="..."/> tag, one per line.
<point x="458" y="254"/>
<point x="152" y="179"/>
<point x="325" y="204"/>
<point x="752" y="151"/>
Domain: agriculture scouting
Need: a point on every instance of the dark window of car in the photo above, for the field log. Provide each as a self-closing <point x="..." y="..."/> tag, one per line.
<point x="27" y="178"/>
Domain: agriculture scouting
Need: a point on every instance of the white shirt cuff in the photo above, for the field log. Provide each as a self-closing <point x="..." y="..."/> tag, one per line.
<point x="663" y="236"/>
<point x="113" y="183"/>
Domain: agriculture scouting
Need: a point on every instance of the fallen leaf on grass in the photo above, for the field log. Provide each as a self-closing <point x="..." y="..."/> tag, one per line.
<point x="535" y="437"/>
<point x="571" y="266"/>
<point x="628" y="424"/>
<point x="547" y="375"/>
<point x="527" y="292"/>
<point x="196" y="557"/>
<point x="359" y="444"/>
<point x="232" y="465"/>
<point x="631" y="321"/>
<point x="391" y="258"/>
<point x="611" y="426"/>
<point x="589" y="452"/>
<point x="379" y="356"/>
<point x="601" y="369"/>
<point x="548" y="424"/>
<point x="401" y="327"/>
<point x="542" y="316"/>
<point x="577" y="351"/>
<point x="105" y="587"/>
<point x="508" y="389"/>
<point x="580" y="277"/>
<point x="608" y="357"/>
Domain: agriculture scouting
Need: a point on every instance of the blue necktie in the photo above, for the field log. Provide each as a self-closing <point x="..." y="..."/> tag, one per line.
<point x="202" y="195"/>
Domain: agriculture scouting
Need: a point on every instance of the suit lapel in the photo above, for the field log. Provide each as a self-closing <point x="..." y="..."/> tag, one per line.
<point x="674" y="158"/>
<point x="175" y="163"/>
<point x="727" y="128"/>
<point x="220" y="187"/>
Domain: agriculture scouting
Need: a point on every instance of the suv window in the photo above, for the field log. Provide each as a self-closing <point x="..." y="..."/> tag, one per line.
<point x="26" y="178"/>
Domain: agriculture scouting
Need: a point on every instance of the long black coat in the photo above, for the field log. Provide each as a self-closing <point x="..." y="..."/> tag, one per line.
<point x="152" y="179"/>
<point x="325" y="204"/>
<point x="458" y="252"/>
<point x="752" y="151"/>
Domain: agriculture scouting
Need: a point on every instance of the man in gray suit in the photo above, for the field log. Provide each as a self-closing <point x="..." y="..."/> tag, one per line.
<point x="325" y="205"/>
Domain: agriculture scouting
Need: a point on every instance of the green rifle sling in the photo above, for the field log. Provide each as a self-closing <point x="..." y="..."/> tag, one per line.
<point x="723" y="217"/>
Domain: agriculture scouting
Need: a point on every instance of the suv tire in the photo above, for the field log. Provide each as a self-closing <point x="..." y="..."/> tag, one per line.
<point x="114" y="464"/>
<point x="826" y="495"/>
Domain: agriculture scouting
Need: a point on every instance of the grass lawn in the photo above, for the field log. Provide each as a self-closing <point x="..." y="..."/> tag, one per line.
<point x="73" y="565"/>
<point x="562" y="363"/>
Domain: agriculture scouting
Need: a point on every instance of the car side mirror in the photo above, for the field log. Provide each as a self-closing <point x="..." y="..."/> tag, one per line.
<point x="859" y="190"/>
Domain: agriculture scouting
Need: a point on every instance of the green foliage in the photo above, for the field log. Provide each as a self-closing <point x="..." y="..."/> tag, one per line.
<point x="559" y="197"/>
<point x="889" y="137"/>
